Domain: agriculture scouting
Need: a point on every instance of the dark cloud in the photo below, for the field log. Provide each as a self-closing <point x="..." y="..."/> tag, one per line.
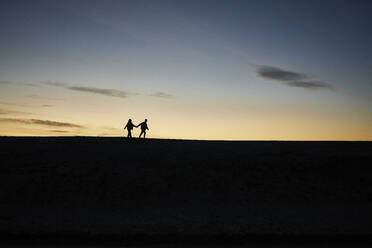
<point x="290" y="78"/>
<point x="41" y="122"/>
<point x="277" y="74"/>
<point x="162" y="95"/>
<point x="312" y="85"/>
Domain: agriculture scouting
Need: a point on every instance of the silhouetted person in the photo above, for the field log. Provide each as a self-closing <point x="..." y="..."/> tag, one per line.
<point x="129" y="127"/>
<point x="143" y="128"/>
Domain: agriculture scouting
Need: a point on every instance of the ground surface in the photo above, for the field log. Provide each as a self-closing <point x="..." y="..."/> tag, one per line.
<point x="172" y="188"/>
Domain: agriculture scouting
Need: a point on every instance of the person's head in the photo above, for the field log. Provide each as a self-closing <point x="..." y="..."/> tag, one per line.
<point x="145" y="120"/>
<point x="130" y="120"/>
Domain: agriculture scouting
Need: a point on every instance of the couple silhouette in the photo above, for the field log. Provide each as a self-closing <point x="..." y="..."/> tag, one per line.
<point x="130" y="127"/>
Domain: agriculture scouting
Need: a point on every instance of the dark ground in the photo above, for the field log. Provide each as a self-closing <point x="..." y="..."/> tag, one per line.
<point x="154" y="191"/>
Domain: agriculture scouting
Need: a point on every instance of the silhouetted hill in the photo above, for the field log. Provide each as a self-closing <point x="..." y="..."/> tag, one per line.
<point x="115" y="187"/>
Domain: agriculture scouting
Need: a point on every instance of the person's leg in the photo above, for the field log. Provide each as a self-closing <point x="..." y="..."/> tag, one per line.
<point x="144" y="134"/>
<point x="141" y="134"/>
<point x="129" y="134"/>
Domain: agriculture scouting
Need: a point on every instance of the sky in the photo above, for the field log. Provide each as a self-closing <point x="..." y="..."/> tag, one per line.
<point x="214" y="70"/>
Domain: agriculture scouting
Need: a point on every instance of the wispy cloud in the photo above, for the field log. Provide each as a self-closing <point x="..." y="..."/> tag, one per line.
<point x="109" y="131"/>
<point x="41" y="122"/>
<point x="162" y="95"/>
<point x="5" y="112"/>
<point x="291" y="78"/>
<point x="107" y="128"/>
<point x="35" y="96"/>
<point x="32" y="85"/>
<point x="94" y="90"/>
<point x="54" y="83"/>
<point x="107" y="92"/>
<point x="103" y="91"/>
<point x="10" y="111"/>
<point x="19" y="83"/>
<point x="59" y="131"/>
<point x="13" y="104"/>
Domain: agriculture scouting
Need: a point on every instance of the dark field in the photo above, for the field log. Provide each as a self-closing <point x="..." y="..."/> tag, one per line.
<point x="155" y="191"/>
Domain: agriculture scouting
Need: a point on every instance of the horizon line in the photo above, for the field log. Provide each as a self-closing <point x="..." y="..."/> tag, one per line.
<point x="180" y="139"/>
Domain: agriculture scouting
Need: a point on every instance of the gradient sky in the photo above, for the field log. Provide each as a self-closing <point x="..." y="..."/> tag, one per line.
<point x="227" y="70"/>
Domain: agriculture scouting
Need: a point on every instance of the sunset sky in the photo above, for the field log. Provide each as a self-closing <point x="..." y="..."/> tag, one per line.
<point x="216" y="70"/>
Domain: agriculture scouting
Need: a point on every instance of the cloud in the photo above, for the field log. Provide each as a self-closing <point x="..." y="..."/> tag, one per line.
<point x="161" y="95"/>
<point x="277" y="74"/>
<point x="53" y="83"/>
<point x="94" y="90"/>
<point x="291" y="78"/>
<point x="32" y="84"/>
<point x="9" y="111"/>
<point x="53" y="123"/>
<point x="58" y="131"/>
<point x="109" y="131"/>
<point x="35" y="96"/>
<point x="5" y="112"/>
<point x="41" y="122"/>
<point x="111" y="128"/>
<point x="13" y="104"/>
<point x="313" y="85"/>
<point x="107" y="92"/>
<point x="103" y="91"/>
<point x="19" y="83"/>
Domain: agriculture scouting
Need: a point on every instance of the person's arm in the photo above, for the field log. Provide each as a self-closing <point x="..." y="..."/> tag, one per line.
<point x="125" y="126"/>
